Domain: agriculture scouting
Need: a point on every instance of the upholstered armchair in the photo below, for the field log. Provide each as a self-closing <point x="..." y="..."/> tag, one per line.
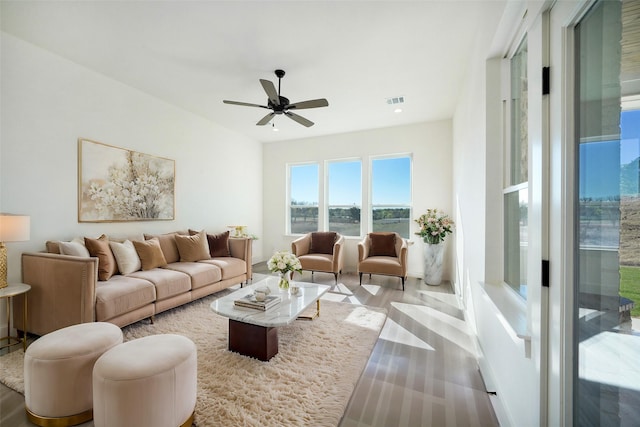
<point x="320" y="251"/>
<point x="383" y="253"/>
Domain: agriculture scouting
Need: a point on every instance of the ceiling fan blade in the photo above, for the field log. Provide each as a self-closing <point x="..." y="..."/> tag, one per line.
<point x="314" y="103"/>
<point x="270" y="89"/>
<point x="266" y="119"/>
<point x="246" y="104"/>
<point x="299" y="119"/>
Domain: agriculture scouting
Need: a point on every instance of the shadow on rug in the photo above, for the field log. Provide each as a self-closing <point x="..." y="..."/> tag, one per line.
<point x="309" y="381"/>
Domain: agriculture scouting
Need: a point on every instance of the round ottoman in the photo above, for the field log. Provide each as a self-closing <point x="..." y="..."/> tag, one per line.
<point x="58" y="371"/>
<point x="149" y="381"/>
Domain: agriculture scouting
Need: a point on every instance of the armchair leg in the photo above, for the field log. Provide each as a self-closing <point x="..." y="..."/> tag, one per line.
<point x="402" y="284"/>
<point x="360" y="279"/>
<point x="336" y="274"/>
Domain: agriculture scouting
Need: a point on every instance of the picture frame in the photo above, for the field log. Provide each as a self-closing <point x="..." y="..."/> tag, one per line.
<point x="116" y="184"/>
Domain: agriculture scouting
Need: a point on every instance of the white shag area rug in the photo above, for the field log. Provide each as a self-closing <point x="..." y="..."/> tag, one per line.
<point x="309" y="382"/>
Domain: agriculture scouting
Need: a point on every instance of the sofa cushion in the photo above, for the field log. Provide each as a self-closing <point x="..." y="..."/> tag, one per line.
<point x="122" y="294"/>
<point x="201" y="273"/>
<point x="126" y="256"/>
<point x="382" y="244"/>
<point x="168" y="245"/>
<point x="100" y="248"/>
<point x="193" y="248"/>
<point x="322" y="242"/>
<point x="53" y="246"/>
<point x="74" y="248"/>
<point x="219" y="244"/>
<point x="167" y="282"/>
<point x="230" y="267"/>
<point x="150" y="254"/>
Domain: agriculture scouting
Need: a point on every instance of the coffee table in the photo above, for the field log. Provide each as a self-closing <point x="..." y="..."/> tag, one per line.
<point x="254" y="332"/>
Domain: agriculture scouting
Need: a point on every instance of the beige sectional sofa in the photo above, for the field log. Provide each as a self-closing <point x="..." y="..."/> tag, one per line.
<point x="67" y="289"/>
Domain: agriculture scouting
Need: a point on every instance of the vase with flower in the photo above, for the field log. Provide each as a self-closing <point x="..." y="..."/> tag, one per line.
<point x="284" y="263"/>
<point x="434" y="227"/>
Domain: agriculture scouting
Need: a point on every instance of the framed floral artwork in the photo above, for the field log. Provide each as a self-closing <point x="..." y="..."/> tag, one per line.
<point x="116" y="184"/>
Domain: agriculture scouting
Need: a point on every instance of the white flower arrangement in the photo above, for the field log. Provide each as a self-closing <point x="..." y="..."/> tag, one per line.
<point x="434" y="226"/>
<point x="284" y="261"/>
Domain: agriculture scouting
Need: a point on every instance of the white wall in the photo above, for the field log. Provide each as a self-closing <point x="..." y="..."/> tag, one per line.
<point x="505" y="359"/>
<point x="430" y="145"/>
<point x="49" y="102"/>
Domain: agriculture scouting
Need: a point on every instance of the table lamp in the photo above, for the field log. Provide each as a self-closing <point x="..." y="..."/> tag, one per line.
<point x="13" y="228"/>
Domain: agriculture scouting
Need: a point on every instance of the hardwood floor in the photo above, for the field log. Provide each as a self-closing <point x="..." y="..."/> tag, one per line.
<point x="422" y="371"/>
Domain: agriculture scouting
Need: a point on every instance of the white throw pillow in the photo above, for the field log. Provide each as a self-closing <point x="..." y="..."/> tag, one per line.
<point x="74" y="248"/>
<point x="126" y="257"/>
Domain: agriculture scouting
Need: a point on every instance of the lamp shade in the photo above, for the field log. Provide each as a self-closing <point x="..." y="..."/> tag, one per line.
<point x="14" y="228"/>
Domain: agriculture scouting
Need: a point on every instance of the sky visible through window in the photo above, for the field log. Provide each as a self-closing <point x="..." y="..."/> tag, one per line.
<point x="607" y="159"/>
<point x="345" y="183"/>
<point x="391" y="181"/>
<point x="304" y="184"/>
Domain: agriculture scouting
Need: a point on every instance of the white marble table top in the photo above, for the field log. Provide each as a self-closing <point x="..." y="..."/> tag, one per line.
<point x="281" y="314"/>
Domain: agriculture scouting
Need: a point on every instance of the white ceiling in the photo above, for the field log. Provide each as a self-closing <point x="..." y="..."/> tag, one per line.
<point x="194" y="54"/>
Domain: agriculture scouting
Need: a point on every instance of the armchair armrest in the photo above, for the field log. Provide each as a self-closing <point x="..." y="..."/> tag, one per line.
<point x="338" y="254"/>
<point x="363" y="248"/>
<point x="301" y="245"/>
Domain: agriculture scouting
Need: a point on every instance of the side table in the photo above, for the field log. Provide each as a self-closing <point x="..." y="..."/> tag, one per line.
<point x="8" y="293"/>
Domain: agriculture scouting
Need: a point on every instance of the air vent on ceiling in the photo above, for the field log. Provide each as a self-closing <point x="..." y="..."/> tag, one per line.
<point x="395" y="100"/>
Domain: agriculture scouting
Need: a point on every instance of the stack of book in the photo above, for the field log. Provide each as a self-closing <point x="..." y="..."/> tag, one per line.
<point x="251" y="302"/>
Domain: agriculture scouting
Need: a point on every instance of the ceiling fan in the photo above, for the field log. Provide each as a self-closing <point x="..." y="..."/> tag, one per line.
<point x="278" y="104"/>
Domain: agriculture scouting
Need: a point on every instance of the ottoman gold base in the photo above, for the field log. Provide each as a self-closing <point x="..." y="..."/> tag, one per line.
<point x="189" y="421"/>
<point x="59" y="421"/>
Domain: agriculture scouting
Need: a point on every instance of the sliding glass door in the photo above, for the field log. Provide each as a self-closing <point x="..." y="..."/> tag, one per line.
<point x="606" y="234"/>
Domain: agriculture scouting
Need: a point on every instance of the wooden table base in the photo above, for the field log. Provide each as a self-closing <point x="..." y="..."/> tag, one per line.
<point x="254" y="341"/>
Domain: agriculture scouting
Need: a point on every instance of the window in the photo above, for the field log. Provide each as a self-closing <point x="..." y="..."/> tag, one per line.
<point x="515" y="191"/>
<point x="303" y="198"/>
<point x="345" y="197"/>
<point x="391" y="194"/>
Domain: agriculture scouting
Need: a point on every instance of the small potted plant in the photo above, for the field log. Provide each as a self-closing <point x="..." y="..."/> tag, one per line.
<point x="284" y="263"/>
<point x="434" y="227"/>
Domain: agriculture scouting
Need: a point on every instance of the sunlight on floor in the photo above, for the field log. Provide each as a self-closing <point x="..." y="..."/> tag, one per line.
<point x="372" y="289"/>
<point x="330" y="296"/>
<point x="450" y="328"/>
<point x="366" y="318"/>
<point x="342" y="289"/>
<point x="610" y="358"/>
<point x="396" y="333"/>
<point x="450" y="299"/>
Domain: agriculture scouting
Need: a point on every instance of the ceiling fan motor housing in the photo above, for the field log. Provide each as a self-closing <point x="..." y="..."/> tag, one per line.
<point x="279" y="109"/>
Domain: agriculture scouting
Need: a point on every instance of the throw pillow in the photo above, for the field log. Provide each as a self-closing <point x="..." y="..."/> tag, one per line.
<point x="193" y="248"/>
<point x="126" y="256"/>
<point x="73" y="248"/>
<point x="203" y="240"/>
<point x="100" y="248"/>
<point x="322" y="242"/>
<point x="150" y="253"/>
<point x="382" y="244"/>
<point x="168" y="246"/>
<point x="219" y="245"/>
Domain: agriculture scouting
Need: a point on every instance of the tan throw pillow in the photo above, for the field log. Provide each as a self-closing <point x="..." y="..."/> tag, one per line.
<point x="192" y="248"/>
<point x="219" y="245"/>
<point x="168" y="246"/>
<point x="107" y="265"/>
<point x="322" y="242"/>
<point x="382" y="244"/>
<point x="126" y="256"/>
<point x="150" y="253"/>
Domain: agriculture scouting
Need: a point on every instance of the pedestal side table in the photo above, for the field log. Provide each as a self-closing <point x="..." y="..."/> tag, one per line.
<point x="8" y="293"/>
